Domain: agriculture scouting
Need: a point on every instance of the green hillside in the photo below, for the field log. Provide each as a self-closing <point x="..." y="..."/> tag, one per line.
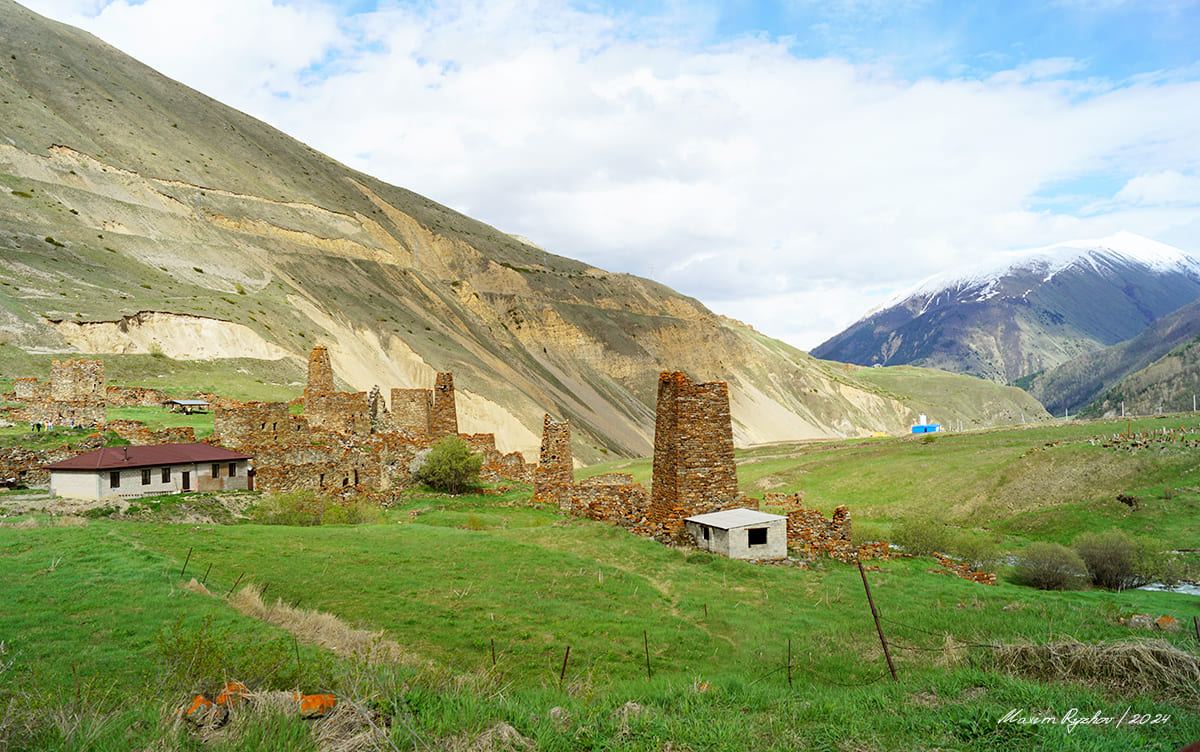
<point x="100" y="634"/>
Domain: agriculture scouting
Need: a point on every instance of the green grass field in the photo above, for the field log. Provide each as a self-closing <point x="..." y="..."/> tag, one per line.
<point x="101" y="640"/>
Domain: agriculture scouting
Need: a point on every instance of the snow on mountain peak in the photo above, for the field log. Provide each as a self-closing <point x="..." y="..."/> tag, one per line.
<point x="982" y="279"/>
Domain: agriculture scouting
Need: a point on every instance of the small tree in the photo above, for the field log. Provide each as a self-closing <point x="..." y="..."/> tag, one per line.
<point x="1115" y="561"/>
<point x="1051" y="566"/>
<point x="449" y="466"/>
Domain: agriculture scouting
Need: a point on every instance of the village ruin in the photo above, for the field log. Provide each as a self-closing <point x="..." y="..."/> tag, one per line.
<point x="353" y="444"/>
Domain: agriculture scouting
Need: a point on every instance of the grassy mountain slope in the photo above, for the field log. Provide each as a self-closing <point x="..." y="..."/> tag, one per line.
<point x="136" y="214"/>
<point x="1078" y="382"/>
<point x="1169" y="384"/>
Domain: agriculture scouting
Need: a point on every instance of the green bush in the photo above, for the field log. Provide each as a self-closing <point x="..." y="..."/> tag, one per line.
<point x="1114" y="560"/>
<point x="1051" y="566"/>
<point x="307" y="509"/>
<point x="449" y="466"/>
<point x="921" y="537"/>
<point x="976" y="549"/>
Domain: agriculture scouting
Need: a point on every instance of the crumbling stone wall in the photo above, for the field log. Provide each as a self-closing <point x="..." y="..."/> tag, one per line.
<point x="317" y="468"/>
<point x="694" y="471"/>
<point x="87" y="414"/>
<point x="341" y="412"/>
<point x="411" y="409"/>
<point x="813" y="534"/>
<point x="613" y="497"/>
<point x="554" y="476"/>
<point x="26" y="389"/>
<point x="134" y="396"/>
<point x="320" y="374"/>
<point x="443" y="417"/>
<point x="251" y="425"/>
<point x="963" y="570"/>
<point x="77" y="380"/>
<point x="138" y="434"/>
<point x="430" y="412"/>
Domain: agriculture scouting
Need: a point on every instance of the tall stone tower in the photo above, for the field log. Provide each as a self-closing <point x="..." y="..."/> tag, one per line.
<point x="694" y="471"/>
<point x="555" y="472"/>
<point x="320" y="374"/>
<point x="443" y="418"/>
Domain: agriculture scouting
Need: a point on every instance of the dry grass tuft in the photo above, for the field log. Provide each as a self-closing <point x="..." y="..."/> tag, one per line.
<point x="351" y="728"/>
<point x="326" y="630"/>
<point x="500" y="737"/>
<point x="1138" y="666"/>
<point x="196" y="586"/>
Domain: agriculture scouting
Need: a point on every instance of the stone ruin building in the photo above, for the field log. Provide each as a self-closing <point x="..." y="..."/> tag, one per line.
<point x="74" y="396"/>
<point x="350" y="442"/>
<point x="693" y="474"/>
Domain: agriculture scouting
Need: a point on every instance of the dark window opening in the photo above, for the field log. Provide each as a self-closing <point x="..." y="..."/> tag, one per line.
<point x="216" y="470"/>
<point x="166" y="475"/>
<point x="114" y="479"/>
<point x="356" y="477"/>
<point x="187" y="481"/>
<point x="705" y="529"/>
<point x="758" y="536"/>
<point x="146" y="476"/>
<point x="345" y="481"/>
<point x="232" y="469"/>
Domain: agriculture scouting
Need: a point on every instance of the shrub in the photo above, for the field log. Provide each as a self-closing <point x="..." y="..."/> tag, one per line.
<point x="306" y="509"/>
<point x="978" y="550"/>
<point x="1113" y="560"/>
<point x="921" y="537"/>
<point x="1051" y="566"/>
<point x="449" y="466"/>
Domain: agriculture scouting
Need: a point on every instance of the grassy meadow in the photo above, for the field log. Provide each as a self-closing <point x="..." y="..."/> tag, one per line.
<point x="103" y="633"/>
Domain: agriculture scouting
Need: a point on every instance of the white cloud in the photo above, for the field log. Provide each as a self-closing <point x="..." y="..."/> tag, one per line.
<point x="1167" y="188"/>
<point x="773" y="187"/>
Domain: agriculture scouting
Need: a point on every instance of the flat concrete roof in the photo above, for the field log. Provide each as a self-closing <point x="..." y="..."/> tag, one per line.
<point x="732" y="518"/>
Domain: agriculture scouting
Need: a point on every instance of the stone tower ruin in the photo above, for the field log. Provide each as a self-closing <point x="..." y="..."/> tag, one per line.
<point x="443" y="418"/>
<point x="694" y="471"/>
<point x="320" y="374"/>
<point x="555" y="473"/>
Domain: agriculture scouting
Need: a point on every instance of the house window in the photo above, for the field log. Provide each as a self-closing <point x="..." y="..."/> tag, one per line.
<point x="166" y="475"/>
<point x="114" y="479"/>
<point x="145" y="476"/>
<point x="705" y="531"/>
<point x="216" y="468"/>
<point x="232" y="469"/>
<point x="758" y="536"/>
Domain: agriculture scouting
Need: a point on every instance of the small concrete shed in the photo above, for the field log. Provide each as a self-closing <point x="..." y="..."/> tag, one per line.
<point x="740" y="534"/>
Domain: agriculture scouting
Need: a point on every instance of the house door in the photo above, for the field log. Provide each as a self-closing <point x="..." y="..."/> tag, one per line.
<point x="187" y="480"/>
<point x="250" y="480"/>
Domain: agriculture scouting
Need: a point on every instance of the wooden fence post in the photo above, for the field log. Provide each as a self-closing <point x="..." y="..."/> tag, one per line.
<point x="878" y="626"/>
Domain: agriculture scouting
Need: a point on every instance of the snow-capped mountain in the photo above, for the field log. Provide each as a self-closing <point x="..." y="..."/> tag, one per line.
<point x="1026" y="311"/>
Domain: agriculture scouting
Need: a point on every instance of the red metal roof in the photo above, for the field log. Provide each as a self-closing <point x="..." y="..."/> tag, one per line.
<point x="112" y="458"/>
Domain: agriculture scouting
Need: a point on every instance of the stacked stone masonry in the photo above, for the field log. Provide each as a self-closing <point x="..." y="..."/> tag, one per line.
<point x="320" y="374"/>
<point x="411" y="409"/>
<point x="134" y="396"/>
<point x="694" y="472"/>
<point x="963" y="570"/>
<point x="77" y="380"/>
<point x="340" y="412"/>
<point x="138" y="434"/>
<point x="554" y="477"/>
<point x="443" y="417"/>
<point x="813" y="534"/>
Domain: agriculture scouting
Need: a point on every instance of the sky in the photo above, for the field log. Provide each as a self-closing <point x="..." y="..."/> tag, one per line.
<point x="790" y="163"/>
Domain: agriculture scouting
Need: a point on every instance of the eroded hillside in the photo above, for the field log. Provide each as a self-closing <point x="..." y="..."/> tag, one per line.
<point x="138" y="215"/>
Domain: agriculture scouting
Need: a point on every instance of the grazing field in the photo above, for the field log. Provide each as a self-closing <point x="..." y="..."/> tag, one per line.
<point x="479" y="598"/>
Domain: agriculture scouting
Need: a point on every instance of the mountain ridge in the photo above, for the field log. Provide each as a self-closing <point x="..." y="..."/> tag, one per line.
<point x="1026" y="313"/>
<point x="122" y="191"/>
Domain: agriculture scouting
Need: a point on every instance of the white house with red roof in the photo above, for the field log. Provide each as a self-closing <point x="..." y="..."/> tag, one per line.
<point x="127" y="472"/>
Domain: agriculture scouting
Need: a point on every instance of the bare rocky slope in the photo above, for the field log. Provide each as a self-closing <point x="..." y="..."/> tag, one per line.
<point x="137" y="215"/>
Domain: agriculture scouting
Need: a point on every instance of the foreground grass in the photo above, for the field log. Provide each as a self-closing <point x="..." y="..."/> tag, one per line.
<point x="92" y="612"/>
